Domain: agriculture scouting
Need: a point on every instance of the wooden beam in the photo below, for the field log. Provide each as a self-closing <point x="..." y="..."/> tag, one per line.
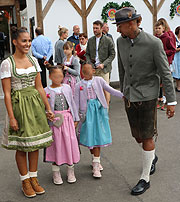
<point x="160" y="5"/>
<point x="39" y="14"/>
<point x="154" y="2"/>
<point x="84" y="16"/>
<point x="47" y="7"/>
<point x="73" y="3"/>
<point x="7" y="3"/>
<point x="17" y="8"/>
<point x="148" y="5"/>
<point x="91" y="5"/>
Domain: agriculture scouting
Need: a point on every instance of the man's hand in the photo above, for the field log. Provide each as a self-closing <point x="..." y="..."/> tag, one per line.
<point x="170" y="111"/>
<point x="101" y="66"/>
<point x="46" y="62"/>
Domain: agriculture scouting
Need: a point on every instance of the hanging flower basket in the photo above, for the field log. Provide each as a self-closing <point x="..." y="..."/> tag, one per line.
<point x="108" y="11"/>
<point x="173" y="7"/>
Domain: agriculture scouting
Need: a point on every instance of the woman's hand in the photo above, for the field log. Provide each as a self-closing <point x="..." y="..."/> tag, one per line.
<point x="50" y="115"/>
<point x="13" y="124"/>
<point x="76" y="124"/>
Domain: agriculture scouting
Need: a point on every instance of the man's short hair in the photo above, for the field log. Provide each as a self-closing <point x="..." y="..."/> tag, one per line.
<point x="98" y="22"/>
<point x="39" y="30"/>
<point x="158" y="23"/>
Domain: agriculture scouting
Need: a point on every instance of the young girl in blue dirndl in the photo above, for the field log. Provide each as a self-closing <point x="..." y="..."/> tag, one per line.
<point x="94" y="126"/>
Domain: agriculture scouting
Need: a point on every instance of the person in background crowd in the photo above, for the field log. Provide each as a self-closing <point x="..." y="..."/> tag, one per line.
<point x="176" y="61"/>
<point x="71" y="66"/>
<point x="105" y="30"/>
<point x="75" y="37"/>
<point x="81" y="49"/>
<point x="59" y="52"/>
<point x="42" y="49"/>
<point x="168" y="30"/>
<point x="169" y="49"/>
<point x="100" y="53"/>
<point x="140" y="86"/>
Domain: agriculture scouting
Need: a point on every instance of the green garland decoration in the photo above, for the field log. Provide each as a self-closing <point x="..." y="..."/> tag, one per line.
<point x="115" y="6"/>
<point x="173" y="8"/>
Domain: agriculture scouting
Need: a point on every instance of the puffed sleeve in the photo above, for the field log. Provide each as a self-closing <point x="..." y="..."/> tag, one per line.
<point x="5" y="69"/>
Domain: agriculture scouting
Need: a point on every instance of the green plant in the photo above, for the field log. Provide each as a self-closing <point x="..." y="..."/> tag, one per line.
<point x="116" y="6"/>
<point x="173" y="8"/>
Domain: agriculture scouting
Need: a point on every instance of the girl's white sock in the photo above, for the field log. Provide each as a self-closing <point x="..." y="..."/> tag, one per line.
<point x="55" y="168"/>
<point x="96" y="159"/>
<point x="32" y="174"/>
<point x="24" y="177"/>
<point x="147" y="157"/>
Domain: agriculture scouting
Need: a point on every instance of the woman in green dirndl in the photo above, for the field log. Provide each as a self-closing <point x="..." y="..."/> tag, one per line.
<point x="27" y="106"/>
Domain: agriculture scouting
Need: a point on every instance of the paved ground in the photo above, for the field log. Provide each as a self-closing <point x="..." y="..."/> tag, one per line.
<point x="122" y="167"/>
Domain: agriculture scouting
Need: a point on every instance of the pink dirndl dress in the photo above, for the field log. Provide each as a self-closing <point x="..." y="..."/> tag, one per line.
<point x="64" y="149"/>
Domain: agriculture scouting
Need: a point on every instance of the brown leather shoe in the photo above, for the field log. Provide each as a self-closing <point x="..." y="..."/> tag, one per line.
<point x="27" y="188"/>
<point x="36" y="186"/>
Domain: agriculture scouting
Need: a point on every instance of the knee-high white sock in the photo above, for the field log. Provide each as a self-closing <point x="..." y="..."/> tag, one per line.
<point x="55" y="168"/>
<point x="147" y="157"/>
<point x="24" y="177"/>
<point x="32" y="174"/>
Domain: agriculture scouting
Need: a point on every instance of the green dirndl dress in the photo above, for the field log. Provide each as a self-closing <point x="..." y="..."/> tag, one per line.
<point x="29" y="110"/>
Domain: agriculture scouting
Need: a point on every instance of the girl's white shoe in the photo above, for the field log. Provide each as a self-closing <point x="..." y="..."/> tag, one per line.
<point x="57" y="178"/>
<point x="96" y="170"/>
<point x="70" y="174"/>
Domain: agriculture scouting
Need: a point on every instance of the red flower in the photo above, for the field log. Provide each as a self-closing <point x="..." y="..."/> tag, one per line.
<point x="81" y="87"/>
<point x="48" y="95"/>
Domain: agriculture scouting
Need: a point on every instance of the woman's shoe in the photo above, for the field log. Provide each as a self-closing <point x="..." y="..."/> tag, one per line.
<point x="36" y="186"/>
<point x="28" y="189"/>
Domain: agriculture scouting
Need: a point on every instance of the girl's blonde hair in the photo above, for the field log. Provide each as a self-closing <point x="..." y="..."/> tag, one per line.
<point x="62" y="30"/>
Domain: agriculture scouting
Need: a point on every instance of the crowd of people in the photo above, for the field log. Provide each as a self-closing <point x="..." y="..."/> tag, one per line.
<point x="73" y="110"/>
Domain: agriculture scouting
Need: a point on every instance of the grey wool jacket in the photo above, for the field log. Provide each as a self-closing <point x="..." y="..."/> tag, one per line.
<point x="106" y="52"/>
<point x="141" y="63"/>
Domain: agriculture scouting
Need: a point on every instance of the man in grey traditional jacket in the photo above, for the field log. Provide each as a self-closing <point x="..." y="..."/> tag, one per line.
<point x="141" y="59"/>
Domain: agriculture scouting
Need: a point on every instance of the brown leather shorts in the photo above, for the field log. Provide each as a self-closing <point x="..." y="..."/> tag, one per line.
<point x="142" y="118"/>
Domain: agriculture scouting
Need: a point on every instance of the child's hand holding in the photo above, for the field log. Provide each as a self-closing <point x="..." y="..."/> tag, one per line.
<point x="76" y="124"/>
<point x="50" y="115"/>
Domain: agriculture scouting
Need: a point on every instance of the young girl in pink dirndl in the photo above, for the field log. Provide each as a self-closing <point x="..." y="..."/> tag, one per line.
<point x="64" y="149"/>
<point x="71" y="66"/>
